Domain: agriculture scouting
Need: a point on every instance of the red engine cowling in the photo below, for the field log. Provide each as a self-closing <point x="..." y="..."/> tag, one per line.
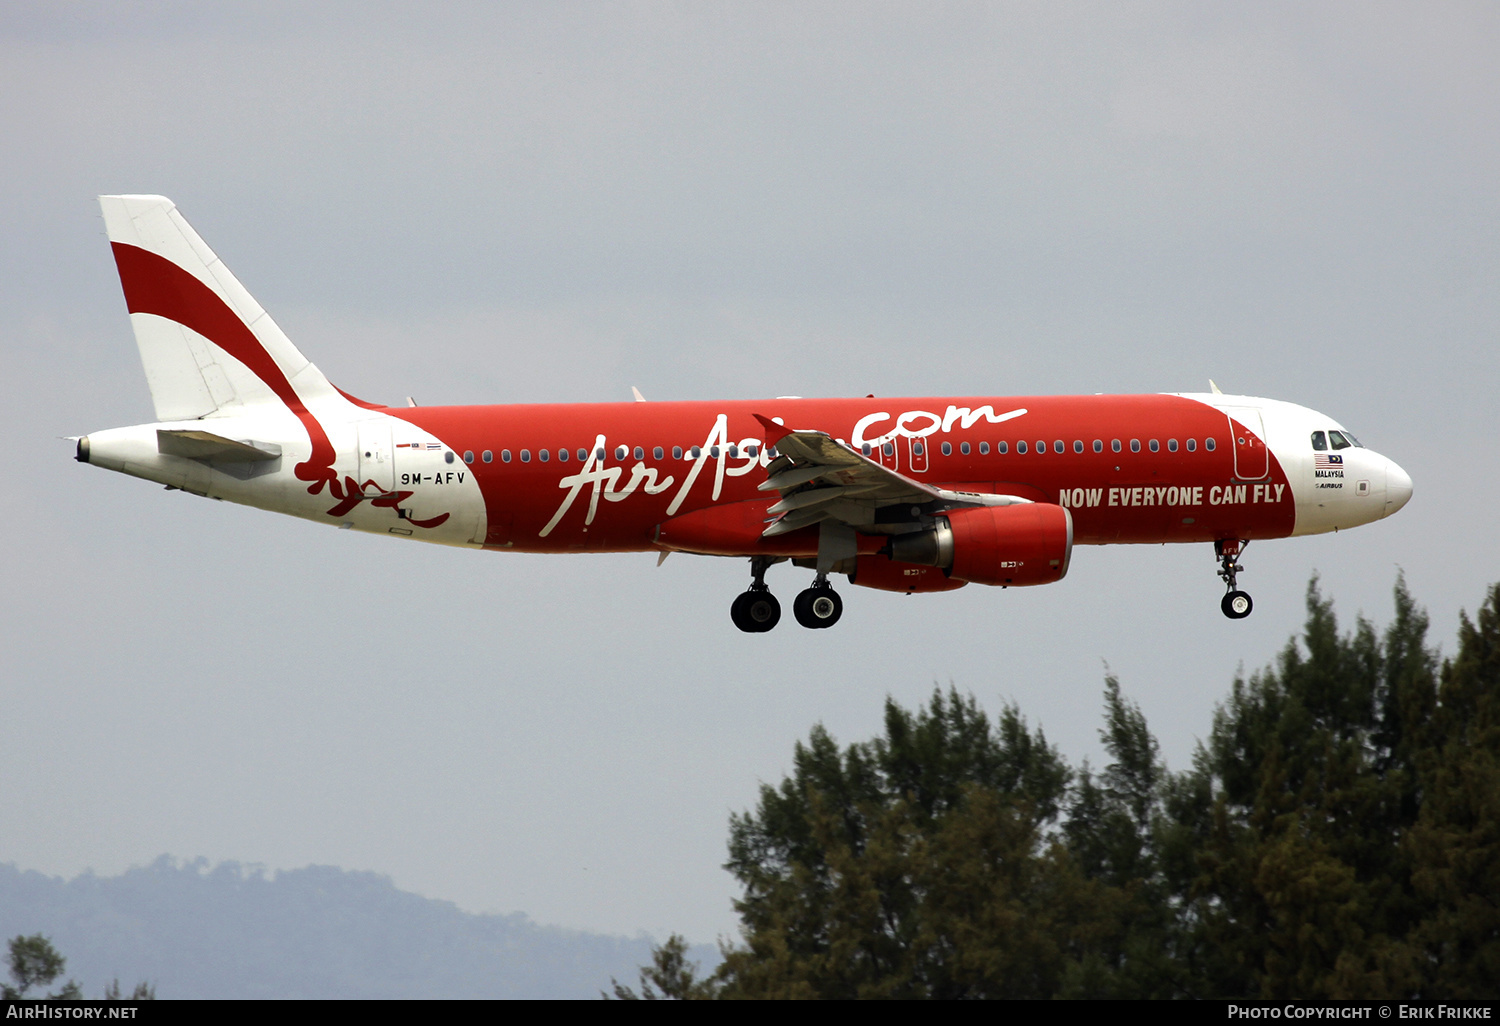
<point x="1029" y="543"/>
<point x="908" y="578"/>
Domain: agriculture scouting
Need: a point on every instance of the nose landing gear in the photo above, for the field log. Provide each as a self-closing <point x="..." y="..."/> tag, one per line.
<point x="1236" y="604"/>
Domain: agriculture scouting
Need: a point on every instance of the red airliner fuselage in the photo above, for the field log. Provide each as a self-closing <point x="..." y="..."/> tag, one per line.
<point x="1157" y="491"/>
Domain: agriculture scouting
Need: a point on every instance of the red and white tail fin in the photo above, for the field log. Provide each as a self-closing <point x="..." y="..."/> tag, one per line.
<point x="207" y="346"/>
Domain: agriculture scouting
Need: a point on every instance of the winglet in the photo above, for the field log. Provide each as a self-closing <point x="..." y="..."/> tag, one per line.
<point x="1213" y="387"/>
<point x="637" y="393"/>
<point x="774" y="432"/>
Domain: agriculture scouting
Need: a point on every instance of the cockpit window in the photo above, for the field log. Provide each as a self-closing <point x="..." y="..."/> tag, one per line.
<point x="1320" y="441"/>
<point x="1338" y="440"/>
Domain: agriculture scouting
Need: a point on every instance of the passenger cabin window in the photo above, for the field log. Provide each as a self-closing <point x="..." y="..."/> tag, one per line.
<point x="1041" y="446"/>
<point x="947" y="449"/>
<point x="447" y="457"/>
<point x="583" y="455"/>
<point x="865" y="448"/>
<point x="1077" y="445"/>
<point x="640" y="453"/>
<point x="1058" y="446"/>
<point x="1208" y="443"/>
<point x="487" y="456"/>
<point x="734" y="452"/>
<point x="917" y="448"/>
<point x="697" y="451"/>
<point x="752" y="451"/>
<point x="1337" y="440"/>
<point x="1002" y="447"/>
<point x="544" y="455"/>
<point x="1320" y="441"/>
<point x="889" y="448"/>
<point x="1098" y="445"/>
<point x="1135" y="445"/>
<point x="1021" y="448"/>
<point x="1115" y="444"/>
<point x="525" y="455"/>
<point x="468" y="455"/>
<point x="504" y="455"/>
<point x="677" y="452"/>
<point x="1154" y="445"/>
<point x="984" y="448"/>
<point x="656" y="453"/>
<point x="1192" y="444"/>
<point x="963" y="447"/>
<point x="1171" y="445"/>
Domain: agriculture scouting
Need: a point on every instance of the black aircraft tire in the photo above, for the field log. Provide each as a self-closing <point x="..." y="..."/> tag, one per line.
<point x="763" y="611"/>
<point x="817" y="608"/>
<point x="739" y="612"/>
<point x="1237" y="605"/>
<point x="755" y="612"/>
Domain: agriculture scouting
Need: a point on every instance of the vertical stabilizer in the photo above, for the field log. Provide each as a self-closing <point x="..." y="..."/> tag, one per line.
<point x="206" y="344"/>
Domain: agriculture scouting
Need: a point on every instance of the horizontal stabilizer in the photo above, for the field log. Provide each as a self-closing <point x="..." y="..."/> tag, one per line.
<point x="212" y="448"/>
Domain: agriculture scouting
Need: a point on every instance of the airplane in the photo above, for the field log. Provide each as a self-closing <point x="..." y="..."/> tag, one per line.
<point x="906" y="495"/>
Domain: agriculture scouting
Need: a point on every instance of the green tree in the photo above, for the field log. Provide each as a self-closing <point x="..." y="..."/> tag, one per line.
<point x="1298" y="885"/>
<point x="669" y="977"/>
<point x="34" y="962"/>
<point x="1337" y="836"/>
<point x="1454" y="844"/>
<point x="143" y="992"/>
<point x="1114" y="832"/>
<point x="918" y="864"/>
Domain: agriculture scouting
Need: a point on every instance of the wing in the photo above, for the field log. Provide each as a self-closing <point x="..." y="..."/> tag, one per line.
<point x="820" y="478"/>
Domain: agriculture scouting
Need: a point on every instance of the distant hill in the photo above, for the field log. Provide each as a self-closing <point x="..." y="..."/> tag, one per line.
<point x="226" y="931"/>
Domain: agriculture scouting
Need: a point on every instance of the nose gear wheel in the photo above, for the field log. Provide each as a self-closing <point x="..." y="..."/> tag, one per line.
<point x="1236" y="604"/>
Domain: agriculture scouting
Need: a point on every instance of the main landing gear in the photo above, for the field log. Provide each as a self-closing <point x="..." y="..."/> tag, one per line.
<point x="757" y="611"/>
<point x="818" y="606"/>
<point x="1236" y="604"/>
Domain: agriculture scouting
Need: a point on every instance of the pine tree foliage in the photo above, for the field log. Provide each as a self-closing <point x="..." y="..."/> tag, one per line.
<point x="669" y="977"/>
<point x="1337" y="836"/>
<point x="34" y="962"/>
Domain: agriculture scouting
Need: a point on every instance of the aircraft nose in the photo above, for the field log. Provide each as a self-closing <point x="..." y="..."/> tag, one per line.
<point x="1397" y="487"/>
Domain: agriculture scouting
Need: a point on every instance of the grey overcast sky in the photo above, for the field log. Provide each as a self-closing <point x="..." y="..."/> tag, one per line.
<point x="477" y="203"/>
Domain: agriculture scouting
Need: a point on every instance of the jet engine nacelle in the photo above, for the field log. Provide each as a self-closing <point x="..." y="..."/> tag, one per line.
<point x="886" y="574"/>
<point x="1028" y="543"/>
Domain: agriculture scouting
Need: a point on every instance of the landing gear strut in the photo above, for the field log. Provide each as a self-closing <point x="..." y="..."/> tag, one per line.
<point x="756" y="611"/>
<point x="1236" y="604"/>
<point x="818" y="606"/>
